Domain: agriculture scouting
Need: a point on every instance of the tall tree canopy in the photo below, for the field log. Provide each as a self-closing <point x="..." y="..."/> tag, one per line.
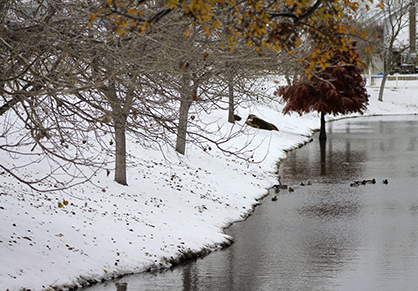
<point x="339" y="89"/>
<point x="281" y="25"/>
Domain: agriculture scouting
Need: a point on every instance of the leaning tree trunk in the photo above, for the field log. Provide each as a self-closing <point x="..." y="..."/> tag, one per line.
<point x="382" y="87"/>
<point x="385" y="76"/>
<point x="322" y="132"/>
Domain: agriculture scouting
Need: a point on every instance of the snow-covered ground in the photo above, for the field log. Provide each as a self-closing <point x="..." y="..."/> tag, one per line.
<point x="173" y="207"/>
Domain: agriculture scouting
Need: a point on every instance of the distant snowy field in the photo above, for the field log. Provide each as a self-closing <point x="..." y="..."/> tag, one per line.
<point x="173" y="206"/>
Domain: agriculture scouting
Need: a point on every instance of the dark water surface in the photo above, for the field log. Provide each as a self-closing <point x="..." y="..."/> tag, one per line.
<point x="327" y="235"/>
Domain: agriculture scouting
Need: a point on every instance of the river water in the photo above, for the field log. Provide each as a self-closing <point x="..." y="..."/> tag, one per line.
<point x="329" y="233"/>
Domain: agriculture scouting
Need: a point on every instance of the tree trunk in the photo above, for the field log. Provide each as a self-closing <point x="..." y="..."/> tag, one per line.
<point x="231" y="117"/>
<point x="322" y="133"/>
<point x="185" y="104"/>
<point x="385" y="76"/>
<point x="412" y="28"/>
<point x="286" y="75"/>
<point x="186" y="94"/>
<point x="119" y="114"/>
<point x="120" y="154"/>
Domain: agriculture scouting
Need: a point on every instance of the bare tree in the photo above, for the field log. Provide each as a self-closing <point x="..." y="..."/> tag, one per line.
<point x="40" y="57"/>
<point x="72" y="91"/>
<point x="395" y="20"/>
<point x="66" y="81"/>
<point x="242" y="70"/>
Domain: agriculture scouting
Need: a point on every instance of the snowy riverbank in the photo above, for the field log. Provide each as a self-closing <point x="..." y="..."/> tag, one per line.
<point x="173" y="205"/>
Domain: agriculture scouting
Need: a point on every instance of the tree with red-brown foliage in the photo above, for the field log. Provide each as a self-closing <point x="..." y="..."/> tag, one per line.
<point x="337" y="89"/>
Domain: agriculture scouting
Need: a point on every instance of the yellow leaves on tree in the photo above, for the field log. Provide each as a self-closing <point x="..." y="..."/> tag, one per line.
<point x="279" y="25"/>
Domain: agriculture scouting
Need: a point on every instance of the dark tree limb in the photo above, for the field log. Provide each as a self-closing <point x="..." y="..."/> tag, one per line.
<point x="9" y="104"/>
<point x="295" y="17"/>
